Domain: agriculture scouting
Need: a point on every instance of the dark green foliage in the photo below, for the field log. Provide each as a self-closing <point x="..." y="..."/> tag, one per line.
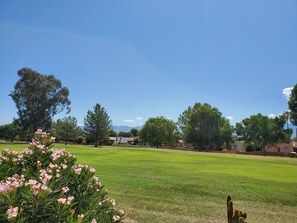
<point x="260" y="131"/>
<point x="67" y="129"/>
<point x="293" y="106"/>
<point x="205" y="128"/>
<point x="9" y="131"/>
<point x="234" y="216"/>
<point x="158" y="131"/>
<point x="38" y="98"/>
<point x="125" y="134"/>
<point x="112" y="133"/>
<point x="135" y="132"/>
<point x="97" y="125"/>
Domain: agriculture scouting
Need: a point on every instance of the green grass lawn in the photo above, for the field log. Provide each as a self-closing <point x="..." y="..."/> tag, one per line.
<point x="157" y="185"/>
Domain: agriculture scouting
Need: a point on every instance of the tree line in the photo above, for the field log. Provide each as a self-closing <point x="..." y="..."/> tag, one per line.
<point x="39" y="97"/>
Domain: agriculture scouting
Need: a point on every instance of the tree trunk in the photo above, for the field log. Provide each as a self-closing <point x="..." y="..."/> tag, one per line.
<point x="265" y="150"/>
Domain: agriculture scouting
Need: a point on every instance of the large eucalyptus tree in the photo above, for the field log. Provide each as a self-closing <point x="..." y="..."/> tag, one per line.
<point x="38" y="98"/>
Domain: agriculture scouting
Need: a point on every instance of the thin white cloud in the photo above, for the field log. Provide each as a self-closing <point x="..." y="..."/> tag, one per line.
<point x="287" y="92"/>
<point x="128" y="121"/>
<point x="138" y="118"/>
<point x="271" y="115"/>
<point x="230" y="117"/>
<point x="168" y="118"/>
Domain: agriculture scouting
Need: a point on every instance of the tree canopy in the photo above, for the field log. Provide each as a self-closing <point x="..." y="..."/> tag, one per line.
<point x="97" y="124"/>
<point x="125" y="134"/>
<point x="67" y="129"/>
<point x="9" y="131"/>
<point x="204" y="127"/>
<point x="293" y="106"/>
<point x="38" y="98"/>
<point x="135" y="132"/>
<point x="261" y="131"/>
<point x="158" y="131"/>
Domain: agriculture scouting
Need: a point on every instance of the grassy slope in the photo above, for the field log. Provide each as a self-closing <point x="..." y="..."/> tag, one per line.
<point x="176" y="186"/>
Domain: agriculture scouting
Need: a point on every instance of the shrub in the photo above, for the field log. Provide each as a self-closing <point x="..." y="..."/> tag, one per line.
<point x="42" y="184"/>
<point x="81" y="140"/>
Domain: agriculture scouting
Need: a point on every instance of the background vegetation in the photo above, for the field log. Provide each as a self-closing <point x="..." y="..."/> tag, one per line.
<point x="157" y="185"/>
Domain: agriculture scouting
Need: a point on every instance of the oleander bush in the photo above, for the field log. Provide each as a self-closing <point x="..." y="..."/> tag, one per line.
<point x="42" y="184"/>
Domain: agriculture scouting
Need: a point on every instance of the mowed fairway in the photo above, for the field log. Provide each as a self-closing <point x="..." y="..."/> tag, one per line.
<point x="157" y="185"/>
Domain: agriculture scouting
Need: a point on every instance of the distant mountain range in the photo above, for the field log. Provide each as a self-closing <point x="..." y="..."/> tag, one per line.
<point x="123" y="128"/>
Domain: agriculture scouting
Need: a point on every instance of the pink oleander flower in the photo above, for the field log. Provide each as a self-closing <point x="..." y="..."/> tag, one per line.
<point x="64" y="166"/>
<point x="62" y="200"/>
<point x="92" y="170"/>
<point x="65" y="189"/>
<point x="36" y="186"/>
<point x="11" y="183"/>
<point x="44" y="176"/>
<point x="80" y="216"/>
<point x="112" y="202"/>
<point x="77" y="170"/>
<point x="6" y="150"/>
<point x="32" y="144"/>
<point x="12" y="212"/>
<point x="53" y="166"/>
<point x="38" y="164"/>
<point x="41" y="147"/>
<point x="121" y="212"/>
<point x="28" y="151"/>
<point x="93" y="220"/>
<point x="3" y="158"/>
<point x="69" y="199"/>
<point x="65" y="200"/>
<point x="116" y="218"/>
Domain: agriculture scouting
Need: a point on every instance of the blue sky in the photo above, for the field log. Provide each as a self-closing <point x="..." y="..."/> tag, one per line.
<point x="142" y="59"/>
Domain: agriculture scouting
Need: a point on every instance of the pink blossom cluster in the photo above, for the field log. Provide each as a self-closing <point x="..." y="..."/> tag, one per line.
<point x="41" y="139"/>
<point x="10" y="152"/>
<point x="36" y="186"/>
<point x="78" y="168"/>
<point x="116" y="218"/>
<point x="7" y="155"/>
<point x="57" y="153"/>
<point x="3" y="158"/>
<point x="28" y="151"/>
<point x="11" y="183"/>
<point x="55" y="169"/>
<point x="80" y="217"/>
<point x="65" y="200"/>
<point x="121" y="212"/>
<point x="44" y="135"/>
<point x="65" y="189"/>
<point x="44" y="176"/>
<point x="96" y="181"/>
<point x="12" y="212"/>
<point x="112" y="202"/>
